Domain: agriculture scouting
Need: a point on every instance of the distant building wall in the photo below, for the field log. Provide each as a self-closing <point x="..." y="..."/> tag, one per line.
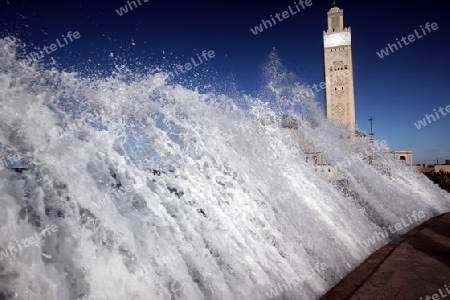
<point x="424" y="170"/>
<point x="442" y="168"/>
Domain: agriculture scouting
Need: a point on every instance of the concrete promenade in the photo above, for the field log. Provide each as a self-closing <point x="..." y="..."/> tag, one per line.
<point x="413" y="266"/>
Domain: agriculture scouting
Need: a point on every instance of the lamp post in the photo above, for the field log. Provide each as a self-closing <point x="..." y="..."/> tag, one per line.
<point x="371" y="132"/>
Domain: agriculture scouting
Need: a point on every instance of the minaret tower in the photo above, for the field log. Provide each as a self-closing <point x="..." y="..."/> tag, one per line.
<point x="338" y="69"/>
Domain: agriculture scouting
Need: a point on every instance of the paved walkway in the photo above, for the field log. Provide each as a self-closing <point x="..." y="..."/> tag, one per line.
<point x="412" y="266"/>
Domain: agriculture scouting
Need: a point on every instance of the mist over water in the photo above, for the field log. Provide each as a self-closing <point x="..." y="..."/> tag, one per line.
<point x="164" y="192"/>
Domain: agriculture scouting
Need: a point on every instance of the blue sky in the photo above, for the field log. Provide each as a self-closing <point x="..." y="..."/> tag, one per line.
<point x="396" y="91"/>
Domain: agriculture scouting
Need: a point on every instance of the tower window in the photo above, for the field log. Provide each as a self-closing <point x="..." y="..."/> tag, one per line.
<point x="345" y="67"/>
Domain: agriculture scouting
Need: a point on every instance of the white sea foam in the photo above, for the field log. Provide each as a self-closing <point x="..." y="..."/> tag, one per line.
<point x="235" y="211"/>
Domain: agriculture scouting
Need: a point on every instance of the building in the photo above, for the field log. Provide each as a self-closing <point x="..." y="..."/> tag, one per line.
<point x="437" y="168"/>
<point x="405" y="156"/>
<point x="339" y="99"/>
<point x="338" y="70"/>
<point x="442" y="168"/>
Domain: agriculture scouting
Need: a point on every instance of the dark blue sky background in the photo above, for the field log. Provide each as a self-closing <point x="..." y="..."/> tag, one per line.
<point x="397" y="90"/>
